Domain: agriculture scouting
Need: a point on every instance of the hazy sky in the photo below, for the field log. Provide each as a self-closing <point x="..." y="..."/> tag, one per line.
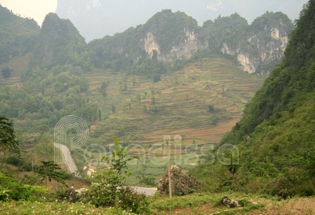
<point x="36" y="9"/>
<point x="97" y="18"/>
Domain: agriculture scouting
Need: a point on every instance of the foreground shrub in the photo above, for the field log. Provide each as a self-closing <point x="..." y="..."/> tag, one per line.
<point x="10" y="190"/>
<point x="110" y="187"/>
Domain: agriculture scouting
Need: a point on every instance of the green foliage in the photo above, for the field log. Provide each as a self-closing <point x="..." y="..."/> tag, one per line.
<point x="45" y="148"/>
<point x="154" y="109"/>
<point x="66" y="88"/>
<point x="146" y="180"/>
<point x="113" y="109"/>
<point x="211" y="108"/>
<point x="157" y="78"/>
<point x="213" y="119"/>
<point x="18" y="35"/>
<point x="42" y="129"/>
<point x="11" y="190"/>
<point x="145" y="109"/>
<point x="111" y="188"/>
<point x="153" y="100"/>
<point x="8" y="141"/>
<point x="61" y="41"/>
<point x="46" y="207"/>
<point x="19" y="162"/>
<point x="6" y="72"/>
<point x="49" y="170"/>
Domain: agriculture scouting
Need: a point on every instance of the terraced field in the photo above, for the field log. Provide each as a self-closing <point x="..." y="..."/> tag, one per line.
<point x="181" y="109"/>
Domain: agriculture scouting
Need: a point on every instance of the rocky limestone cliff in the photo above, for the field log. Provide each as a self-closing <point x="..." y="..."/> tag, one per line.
<point x="169" y="36"/>
<point x="263" y="44"/>
<point x="184" y="50"/>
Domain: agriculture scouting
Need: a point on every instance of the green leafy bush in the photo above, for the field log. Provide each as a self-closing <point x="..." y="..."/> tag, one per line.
<point x="110" y="187"/>
<point x="11" y="190"/>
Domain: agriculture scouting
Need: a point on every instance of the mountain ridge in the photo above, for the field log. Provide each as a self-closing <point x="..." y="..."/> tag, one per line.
<point x="182" y="37"/>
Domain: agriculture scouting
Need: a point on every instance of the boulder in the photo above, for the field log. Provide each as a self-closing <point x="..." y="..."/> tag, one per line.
<point x="72" y="194"/>
<point x="229" y="203"/>
<point x="181" y="184"/>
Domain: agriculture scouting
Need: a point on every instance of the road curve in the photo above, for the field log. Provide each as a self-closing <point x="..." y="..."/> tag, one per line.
<point x="67" y="156"/>
<point x="73" y="168"/>
<point x="145" y="190"/>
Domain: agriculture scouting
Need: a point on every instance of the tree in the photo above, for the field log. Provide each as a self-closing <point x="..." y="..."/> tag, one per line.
<point x="157" y="78"/>
<point x="49" y="170"/>
<point x="153" y="100"/>
<point x="42" y="129"/>
<point x="211" y="108"/>
<point x="145" y="108"/>
<point x="8" y="141"/>
<point x="45" y="148"/>
<point x="113" y="109"/>
<point x="138" y="98"/>
<point x="104" y="85"/>
<point x="183" y="136"/>
<point x="100" y="114"/>
<point x="104" y="93"/>
<point x="6" y="72"/>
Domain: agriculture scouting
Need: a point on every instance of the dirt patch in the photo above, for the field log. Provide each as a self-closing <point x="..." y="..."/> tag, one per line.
<point x="293" y="206"/>
<point x="92" y="128"/>
<point x="204" y="209"/>
<point x="76" y="183"/>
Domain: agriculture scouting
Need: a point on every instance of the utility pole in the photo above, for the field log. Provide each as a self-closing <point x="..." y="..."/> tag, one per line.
<point x="169" y="171"/>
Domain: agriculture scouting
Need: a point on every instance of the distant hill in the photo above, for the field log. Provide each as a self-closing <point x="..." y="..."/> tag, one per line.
<point x="17" y="35"/>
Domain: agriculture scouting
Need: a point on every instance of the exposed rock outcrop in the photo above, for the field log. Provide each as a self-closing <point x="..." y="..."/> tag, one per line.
<point x="169" y="36"/>
<point x="263" y="45"/>
<point x="181" y="184"/>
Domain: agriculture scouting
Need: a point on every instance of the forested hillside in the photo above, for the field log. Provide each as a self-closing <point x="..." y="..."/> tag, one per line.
<point x="58" y="42"/>
<point x="275" y="137"/>
<point x="17" y="35"/>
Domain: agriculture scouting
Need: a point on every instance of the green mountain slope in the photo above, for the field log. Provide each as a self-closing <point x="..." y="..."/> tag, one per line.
<point x="279" y="155"/>
<point x="17" y="35"/>
<point x="58" y="40"/>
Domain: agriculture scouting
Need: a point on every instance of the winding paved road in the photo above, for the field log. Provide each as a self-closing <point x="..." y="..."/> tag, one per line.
<point x="73" y="168"/>
<point x="67" y="157"/>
